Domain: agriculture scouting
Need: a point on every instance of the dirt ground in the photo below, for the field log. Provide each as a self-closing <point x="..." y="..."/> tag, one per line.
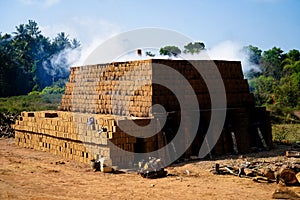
<point x="31" y="174"/>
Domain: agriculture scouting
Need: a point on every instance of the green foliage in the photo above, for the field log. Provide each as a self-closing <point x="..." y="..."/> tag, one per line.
<point x="253" y="73"/>
<point x="280" y="114"/>
<point x="293" y="55"/>
<point x="286" y="132"/>
<point x="263" y="89"/>
<point x="149" y="53"/>
<point x="290" y="66"/>
<point x="277" y="86"/>
<point x="33" y="102"/>
<point x="170" y="51"/>
<point x="193" y="48"/>
<point x="57" y="88"/>
<point x="53" y="90"/>
<point x="288" y="91"/>
<point x="271" y="63"/>
<point x="30" y="61"/>
<point x="254" y="54"/>
<point x="34" y="93"/>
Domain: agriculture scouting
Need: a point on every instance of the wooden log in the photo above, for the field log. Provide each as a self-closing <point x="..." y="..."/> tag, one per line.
<point x="230" y="171"/>
<point x="217" y="167"/>
<point x="298" y="177"/>
<point x="286" y="176"/>
<point x="268" y="173"/>
<point x="292" y="154"/>
<point x="249" y="172"/>
<point x="261" y="178"/>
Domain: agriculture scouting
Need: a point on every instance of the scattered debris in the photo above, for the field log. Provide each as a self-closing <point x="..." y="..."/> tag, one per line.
<point x="103" y="165"/>
<point x="6" y="119"/>
<point x="280" y="172"/>
<point x="95" y="165"/>
<point x="187" y="172"/>
<point x="285" y="172"/>
<point x="152" y="169"/>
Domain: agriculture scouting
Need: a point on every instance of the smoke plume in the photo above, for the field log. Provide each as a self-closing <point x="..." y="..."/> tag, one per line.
<point x="227" y="50"/>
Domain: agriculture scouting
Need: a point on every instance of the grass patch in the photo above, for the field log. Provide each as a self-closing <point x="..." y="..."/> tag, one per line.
<point x="289" y="133"/>
<point x="35" y="102"/>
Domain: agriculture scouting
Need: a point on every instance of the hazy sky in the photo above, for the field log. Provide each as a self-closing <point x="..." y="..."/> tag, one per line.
<point x="263" y="23"/>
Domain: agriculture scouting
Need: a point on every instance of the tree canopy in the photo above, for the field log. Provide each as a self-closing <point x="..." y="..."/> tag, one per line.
<point x="27" y="59"/>
<point x="170" y="51"/>
<point x="193" y="48"/>
<point x="277" y="81"/>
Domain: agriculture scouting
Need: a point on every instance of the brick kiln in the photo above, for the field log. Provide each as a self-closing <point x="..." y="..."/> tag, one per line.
<point x="100" y="98"/>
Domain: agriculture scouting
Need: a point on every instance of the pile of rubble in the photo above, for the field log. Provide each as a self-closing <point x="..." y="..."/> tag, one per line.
<point x="285" y="172"/>
<point x="153" y="168"/>
<point x="6" y="119"/>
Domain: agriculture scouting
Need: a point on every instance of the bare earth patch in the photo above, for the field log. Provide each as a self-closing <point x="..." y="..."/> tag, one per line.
<point x="31" y="174"/>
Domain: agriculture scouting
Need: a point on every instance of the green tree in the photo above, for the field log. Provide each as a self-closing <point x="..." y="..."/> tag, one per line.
<point x="149" y="53"/>
<point x="7" y="66"/>
<point x="27" y="59"/>
<point x="75" y="43"/>
<point x="252" y="73"/>
<point x="291" y="64"/>
<point x="61" y="42"/>
<point x="195" y="47"/>
<point x="254" y="54"/>
<point x="288" y="91"/>
<point x="271" y="63"/>
<point x="263" y="89"/>
<point x="293" y="55"/>
<point x="170" y="51"/>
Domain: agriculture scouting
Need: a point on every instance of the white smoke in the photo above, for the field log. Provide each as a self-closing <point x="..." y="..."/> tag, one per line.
<point x="62" y="61"/>
<point x="227" y="50"/>
<point x="97" y="31"/>
<point x="90" y="32"/>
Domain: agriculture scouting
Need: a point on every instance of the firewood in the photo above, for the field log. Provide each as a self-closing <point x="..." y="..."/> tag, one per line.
<point x="268" y="173"/>
<point x="230" y="171"/>
<point x="298" y="177"/>
<point x="286" y="176"/>
<point x="217" y="168"/>
<point x="249" y="172"/>
<point x="261" y="178"/>
<point x="292" y="154"/>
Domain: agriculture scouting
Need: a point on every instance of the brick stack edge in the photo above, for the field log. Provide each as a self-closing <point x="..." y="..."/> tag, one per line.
<point x="110" y="93"/>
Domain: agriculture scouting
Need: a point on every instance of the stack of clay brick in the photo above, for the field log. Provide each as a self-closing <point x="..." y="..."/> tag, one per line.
<point x="101" y="99"/>
<point x="77" y="136"/>
<point x="126" y="88"/>
<point x="199" y="73"/>
<point x="110" y="89"/>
